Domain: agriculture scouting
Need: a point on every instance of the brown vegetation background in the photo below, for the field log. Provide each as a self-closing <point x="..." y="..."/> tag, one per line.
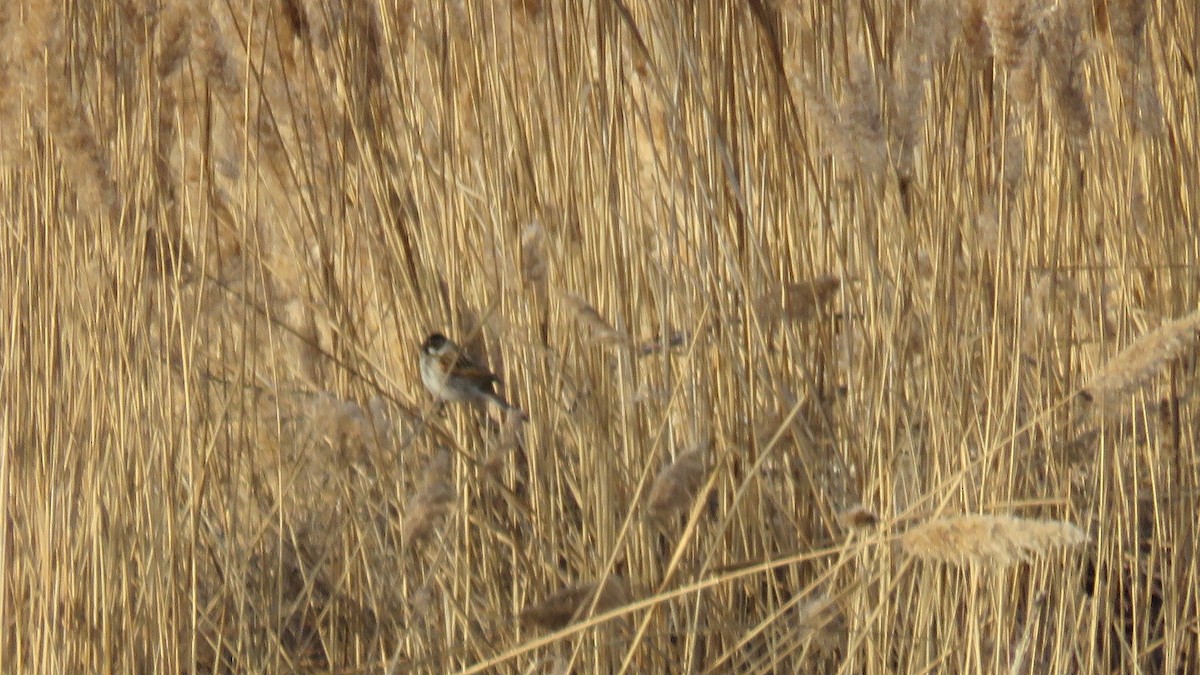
<point x="854" y="336"/>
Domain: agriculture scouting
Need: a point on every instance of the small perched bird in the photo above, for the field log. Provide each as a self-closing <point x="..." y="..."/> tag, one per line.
<point x="451" y="376"/>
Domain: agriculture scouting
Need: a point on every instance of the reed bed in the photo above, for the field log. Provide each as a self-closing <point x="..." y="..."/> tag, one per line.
<point x="852" y="337"/>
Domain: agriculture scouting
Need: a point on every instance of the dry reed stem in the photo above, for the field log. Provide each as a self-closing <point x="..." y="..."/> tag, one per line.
<point x="558" y="610"/>
<point x="1138" y="363"/>
<point x="675" y="486"/>
<point x="990" y="540"/>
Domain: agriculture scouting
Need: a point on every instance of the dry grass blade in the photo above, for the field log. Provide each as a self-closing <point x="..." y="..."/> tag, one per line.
<point x="429" y="505"/>
<point x="799" y="301"/>
<point x="560" y="609"/>
<point x="601" y="330"/>
<point x="993" y="540"/>
<point x="676" y="485"/>
<point x="1138" y="363"/>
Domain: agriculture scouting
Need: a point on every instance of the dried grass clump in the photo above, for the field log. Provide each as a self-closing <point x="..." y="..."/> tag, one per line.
<point x="1138" y="363"/>
<point x="675" y="487"/>
<point x="601" y="330"/>
<point x="431" y="501"/>
<point x="799" y="301"/>
<point x="992" y="540"/>
<point x="560" y="609"/>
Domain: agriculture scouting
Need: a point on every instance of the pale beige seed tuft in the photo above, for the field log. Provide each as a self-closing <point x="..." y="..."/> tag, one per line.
<point x="992" y="540"/>
<point x="675" y="487"/>
<point x="601" y="330"/>
<point x="174" y="35"/>
<point x="533" y="255"/>
<point x="821" y="622"/>
<point x="558" y="610"/>
<point x="432" y="500"/>
<point x="1066" y="47"/>
<point x="1010" y="24"/>
<point x="1138" y="363"/>
<point x="975" y="33"/>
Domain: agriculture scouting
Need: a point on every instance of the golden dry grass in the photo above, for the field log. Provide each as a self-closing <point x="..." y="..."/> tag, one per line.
<point x="871" y="251"/>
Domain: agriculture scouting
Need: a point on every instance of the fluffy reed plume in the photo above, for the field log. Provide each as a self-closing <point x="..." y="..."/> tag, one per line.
<point x="675" y="487"/>
<point x="854" y="131"/>
<point x="858" y="518"/>
<point x="975" y="32"/>
<point x="994" y="540"/>
<point x="821" y="622"/>
<point x="33" y="52"/>
<point x="429" y="505"/>
<point x="1062" y="34"/>
<point x="214" y="55"/>
<point x="1138" y="363"/>
<point x="1011" y="26"/>
<point x="533" y="255"/>
<point x="1126" y="19"/>
<point x="174" y="35"/>
<point x="558" y="610"/>
<point x="799" y="301"/>
<point x="926" y="43"/>
<point x="602" y="331"/>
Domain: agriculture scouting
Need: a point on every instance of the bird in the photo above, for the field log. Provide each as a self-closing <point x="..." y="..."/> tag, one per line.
<point x="451" y="376"/>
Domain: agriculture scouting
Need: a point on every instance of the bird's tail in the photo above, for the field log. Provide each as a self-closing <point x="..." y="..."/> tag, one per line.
<point x="506" y="406"/>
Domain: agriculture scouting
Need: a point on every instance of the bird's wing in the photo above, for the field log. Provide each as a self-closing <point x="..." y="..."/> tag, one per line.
<point x="461" y="366"/>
